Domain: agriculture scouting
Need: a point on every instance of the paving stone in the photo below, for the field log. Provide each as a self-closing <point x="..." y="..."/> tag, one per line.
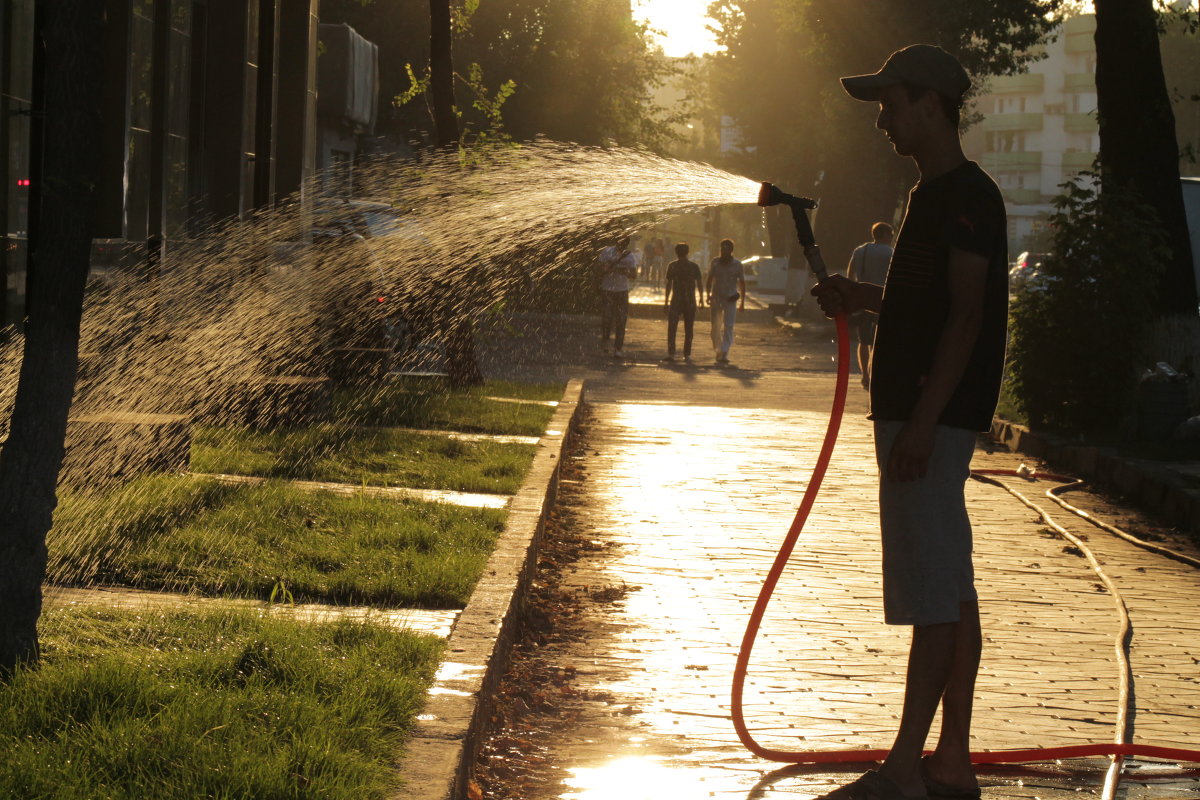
<point x="691" y="482"/>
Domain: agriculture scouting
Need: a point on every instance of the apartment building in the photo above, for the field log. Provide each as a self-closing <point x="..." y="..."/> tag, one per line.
<point x="1039" y="128"/>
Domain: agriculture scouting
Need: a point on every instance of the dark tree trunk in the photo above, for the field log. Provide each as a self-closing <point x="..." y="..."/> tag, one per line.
<point x="72" y="32"/>
<point x="1138" y="149"/>
<point x="441" y="73"/>
<point x="460" y="350"/>
<point x="461" y="366"/>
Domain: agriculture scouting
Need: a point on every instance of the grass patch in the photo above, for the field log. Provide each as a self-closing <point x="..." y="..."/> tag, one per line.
<point x="183" y="533"/>
<point x="210" y="704"/>
<point x="374" y="457"/>
<point x="418" y="403"/>
<point x="520" y="391"/>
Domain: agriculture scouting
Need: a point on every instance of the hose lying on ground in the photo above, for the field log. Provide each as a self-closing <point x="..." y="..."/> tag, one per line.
<point x="1117" y="750"/>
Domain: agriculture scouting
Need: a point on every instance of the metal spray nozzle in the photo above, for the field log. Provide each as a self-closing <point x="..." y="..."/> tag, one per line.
<point x="771" y="195"/>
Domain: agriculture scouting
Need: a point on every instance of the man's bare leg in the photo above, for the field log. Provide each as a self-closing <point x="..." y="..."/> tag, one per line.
<point x="864" y="359"/>
<point x="930" y="662"/>
<point x="950" y="762"/>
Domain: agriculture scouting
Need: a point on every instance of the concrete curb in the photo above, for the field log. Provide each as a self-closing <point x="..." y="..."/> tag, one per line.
<point x="1147" y="483"/>
<point x="446" y="737"/>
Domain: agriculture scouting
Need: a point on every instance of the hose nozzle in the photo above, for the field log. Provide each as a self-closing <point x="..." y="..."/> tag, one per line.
<point x="771" y="195"/>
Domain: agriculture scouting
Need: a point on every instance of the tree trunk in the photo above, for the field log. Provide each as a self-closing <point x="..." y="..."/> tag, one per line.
<point x="461" y="366"/>
<point x="1138" y="149"/>
<point x="441" y="73"/>
<point x="72" y="33"/>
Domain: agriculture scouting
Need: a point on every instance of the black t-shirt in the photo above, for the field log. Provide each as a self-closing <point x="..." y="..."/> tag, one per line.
<point x="683" y="277"/>
<point x="962" y="209"/>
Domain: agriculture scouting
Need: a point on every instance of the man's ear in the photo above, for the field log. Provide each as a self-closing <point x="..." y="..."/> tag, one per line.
<point x="929" y="104"/>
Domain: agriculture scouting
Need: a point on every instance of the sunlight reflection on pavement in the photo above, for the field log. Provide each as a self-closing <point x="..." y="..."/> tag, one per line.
<point x="686" y="495"/>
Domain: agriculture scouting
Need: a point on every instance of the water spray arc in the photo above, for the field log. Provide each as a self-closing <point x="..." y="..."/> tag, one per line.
<point x="770" y="195"/>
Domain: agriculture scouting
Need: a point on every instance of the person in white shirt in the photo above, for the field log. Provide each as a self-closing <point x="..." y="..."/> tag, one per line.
<point x="725" y="286"/>
<point x="869" y="263"/>
<point x="618" y="269"/>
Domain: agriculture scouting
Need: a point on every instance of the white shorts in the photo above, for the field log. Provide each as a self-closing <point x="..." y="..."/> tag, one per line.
<point x="927" y="569"/>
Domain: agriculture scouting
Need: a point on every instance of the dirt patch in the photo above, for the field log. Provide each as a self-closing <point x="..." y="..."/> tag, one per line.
<point x="538" y="694"/>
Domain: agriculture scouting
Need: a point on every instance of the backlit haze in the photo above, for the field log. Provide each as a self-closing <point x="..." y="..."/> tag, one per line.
<point x="681" y="25"/>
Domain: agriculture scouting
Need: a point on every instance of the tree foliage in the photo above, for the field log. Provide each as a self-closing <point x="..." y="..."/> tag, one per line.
<point x="571" y="70"/>
<point x="778" y="82"/>
<point x="1097" y="287"/>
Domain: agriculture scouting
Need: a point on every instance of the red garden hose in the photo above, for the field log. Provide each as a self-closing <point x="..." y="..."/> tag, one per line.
<point x="1118" y="749"/>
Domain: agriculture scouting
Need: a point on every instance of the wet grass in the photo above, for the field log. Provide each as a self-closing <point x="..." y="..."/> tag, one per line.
<point x="372" y="457"/>
<point x="425" y="403"/>
<point x="184" y="533"/>
<point x="210" y="704"/>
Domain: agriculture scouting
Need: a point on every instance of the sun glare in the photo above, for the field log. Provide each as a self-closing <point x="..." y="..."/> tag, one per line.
<point x="633" y="778"/>
<point x="680" y="25"/>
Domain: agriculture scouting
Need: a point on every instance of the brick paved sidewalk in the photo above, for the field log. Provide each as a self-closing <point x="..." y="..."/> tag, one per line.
<point x="692" y="480"/>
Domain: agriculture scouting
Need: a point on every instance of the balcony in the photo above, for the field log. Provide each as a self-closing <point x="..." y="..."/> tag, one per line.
<point x="1012" y="122"/>
<point x="1079" y="82"/>
<point x="1012" y="162"/>
<point x="1081" y="24"/>
<point x="1022" y="197"/>
<point x="1077" y="161"/>
<point x="1079" y="43"/>
<point x="1029" y="83"/>
<point x="1080" y="123"/>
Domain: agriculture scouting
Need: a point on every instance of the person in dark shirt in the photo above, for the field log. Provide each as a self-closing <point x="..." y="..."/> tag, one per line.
<point x="684" y="293"/>
<point x="935" y="379"/>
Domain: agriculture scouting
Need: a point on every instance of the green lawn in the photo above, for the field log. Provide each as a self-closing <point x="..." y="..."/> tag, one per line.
<point x="371" y="456"/>
<point x="150" y="706"/>
<point x="414" y="403"/>
<point x="184" y="533"/>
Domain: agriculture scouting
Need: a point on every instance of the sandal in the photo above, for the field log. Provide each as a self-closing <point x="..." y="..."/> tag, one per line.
<point x="942" y="791"/>
<point x="871" y="785"/>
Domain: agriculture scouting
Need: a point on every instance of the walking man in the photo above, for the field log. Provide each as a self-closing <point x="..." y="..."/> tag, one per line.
<point x="935" y="378"/>
<point x="869" y="264"/>
<point x="618" y="268"/>
<point x="726" y="286"/>
<point x="682" y="292"/>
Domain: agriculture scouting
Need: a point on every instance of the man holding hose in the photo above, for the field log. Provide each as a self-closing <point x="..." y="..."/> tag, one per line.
<point x="935" y="378"/>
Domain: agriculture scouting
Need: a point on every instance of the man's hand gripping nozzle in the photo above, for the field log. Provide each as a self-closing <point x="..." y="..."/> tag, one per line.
<point x="771" y="195"/>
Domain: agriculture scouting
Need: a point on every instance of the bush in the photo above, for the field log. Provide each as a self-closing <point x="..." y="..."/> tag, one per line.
<point x="1078" y="327"/>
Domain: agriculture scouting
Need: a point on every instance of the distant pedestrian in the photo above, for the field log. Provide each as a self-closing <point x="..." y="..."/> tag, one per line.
<point x="726" y="286"/>
<point x="936" y="367"/>
<point x="618" y="269"/>
<point x="869" y="264"/>
<point x="683" y="291"/>
<point x="660" y="254"/>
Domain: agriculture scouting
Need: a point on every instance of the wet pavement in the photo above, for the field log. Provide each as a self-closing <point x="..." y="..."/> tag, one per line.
<point x="689" y="481"/>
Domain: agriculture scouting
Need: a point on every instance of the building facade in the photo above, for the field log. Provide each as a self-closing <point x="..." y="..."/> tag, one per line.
<point x="16" y="146"/>
<point x="209" y="112"/>
<point x="1040" y="128"/>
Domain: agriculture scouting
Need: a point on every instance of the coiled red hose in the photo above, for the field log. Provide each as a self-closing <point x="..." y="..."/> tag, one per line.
<point x="1117" y="749"/>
